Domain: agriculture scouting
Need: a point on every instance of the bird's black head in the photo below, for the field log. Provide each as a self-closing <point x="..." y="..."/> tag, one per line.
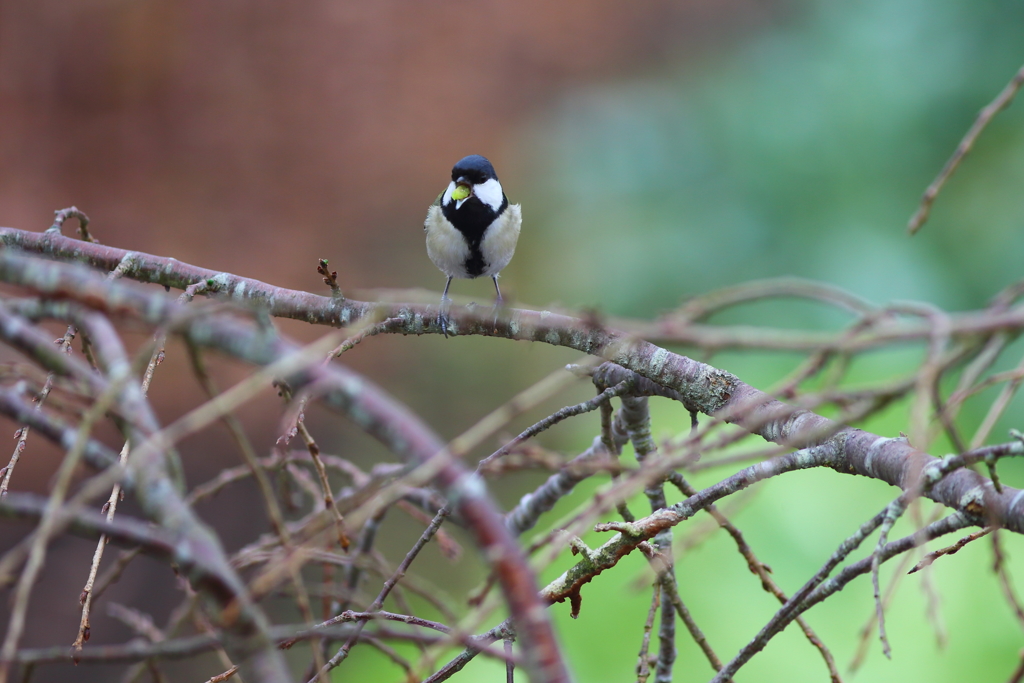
<point x="474" y="168"/>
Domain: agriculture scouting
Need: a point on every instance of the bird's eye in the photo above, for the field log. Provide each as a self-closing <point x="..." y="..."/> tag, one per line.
<point x="460" y="192"/>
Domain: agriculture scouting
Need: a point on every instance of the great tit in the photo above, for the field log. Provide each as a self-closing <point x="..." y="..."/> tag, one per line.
<point x="471" y="228"/>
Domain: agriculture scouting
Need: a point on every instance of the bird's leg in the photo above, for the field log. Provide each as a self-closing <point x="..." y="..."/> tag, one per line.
<point x="442" y="313"/>
<point x="498" y="301"/>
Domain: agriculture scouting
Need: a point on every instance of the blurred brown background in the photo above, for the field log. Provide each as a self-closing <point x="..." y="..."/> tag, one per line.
<point x="257" y="137"/>
<point x="220" y="132"/>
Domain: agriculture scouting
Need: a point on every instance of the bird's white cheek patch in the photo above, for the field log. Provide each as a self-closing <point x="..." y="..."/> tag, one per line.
<point x="447" y="198"/>
<point x="489" y="193"/>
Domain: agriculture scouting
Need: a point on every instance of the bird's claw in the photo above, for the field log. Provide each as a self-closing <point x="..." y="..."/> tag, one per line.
<point x="442" y="316"/>
<point x="499" y="304"/>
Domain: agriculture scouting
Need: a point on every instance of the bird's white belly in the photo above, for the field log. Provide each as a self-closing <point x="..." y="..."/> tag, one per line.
<point x="448" y="249"/>
<point x="499" y="242"/>
<point x="446" y="246"/>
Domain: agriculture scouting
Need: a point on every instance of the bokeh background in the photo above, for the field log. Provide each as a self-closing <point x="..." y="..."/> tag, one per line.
<point x="659" y="150"/>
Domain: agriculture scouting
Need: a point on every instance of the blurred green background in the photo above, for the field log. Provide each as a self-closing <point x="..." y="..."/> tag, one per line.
<point x="659" y="151"/>
<point x="799" y="150"/>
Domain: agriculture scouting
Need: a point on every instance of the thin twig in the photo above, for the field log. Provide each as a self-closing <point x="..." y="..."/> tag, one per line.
<point x="670" y="592"/>
<point x="500" y="632"/>
<point x="762" y="571"/>
<point x="804" y="599"/>
<point x="252" y="462"/>
<point x="634" y="420"/>
<point x="999" y="567"/>
<point x="643" y="664"/>
<point x="110" y="508"/>
<point x="19" y="448"/>
<point x="871" y="623"/>
<point x="553" y="419"/>
<point x="1001" y="101"/>
<point x="136" y="620"/>
<point x="61" y="216"/>
<point x="221" y="677"/>
<point x="889" y="516"/>
<point x="998" y="407"/>
<point x="325" y="485"/>
<point x="950" y="550"/>
<point x="392" y="581"/>
<point x="390" y="653"/>
<point x="330" y="277"/>
<point x="37" y="552"/>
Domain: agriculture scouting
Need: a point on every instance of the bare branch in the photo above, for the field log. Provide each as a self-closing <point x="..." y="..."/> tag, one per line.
<point x="949" y="550"/>
<point x="1001" y="101"/>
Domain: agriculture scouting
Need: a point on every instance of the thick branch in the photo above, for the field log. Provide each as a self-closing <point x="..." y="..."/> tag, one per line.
<point x="13" y="405"/>
<point x="700" y="386"/>
<point x="123" y="530"/>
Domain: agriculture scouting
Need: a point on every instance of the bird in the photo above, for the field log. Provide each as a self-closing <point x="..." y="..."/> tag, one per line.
<point x="471" y="228"/>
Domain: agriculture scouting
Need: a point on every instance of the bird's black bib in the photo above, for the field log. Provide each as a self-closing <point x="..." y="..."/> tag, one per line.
<point x="472" y="219"/>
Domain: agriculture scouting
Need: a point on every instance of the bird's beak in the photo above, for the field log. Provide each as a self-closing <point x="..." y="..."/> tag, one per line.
<point x="462" y="189"/>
